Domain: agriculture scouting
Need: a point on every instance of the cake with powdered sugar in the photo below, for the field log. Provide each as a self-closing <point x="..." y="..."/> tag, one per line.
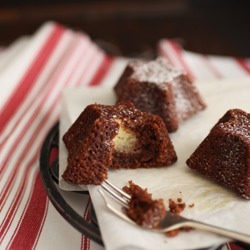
<point x="115" y="136"/>
<point x="224" y="155"/>
<point x="157" y="87"/>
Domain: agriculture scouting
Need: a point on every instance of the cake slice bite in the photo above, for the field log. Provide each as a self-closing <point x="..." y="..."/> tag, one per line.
<point x="224" y="155"/>
<point x="115" y="136"/>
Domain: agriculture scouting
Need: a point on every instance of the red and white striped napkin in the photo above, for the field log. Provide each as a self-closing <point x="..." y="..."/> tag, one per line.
<point x="33" y="72"/>
<point x="204" y="67"/>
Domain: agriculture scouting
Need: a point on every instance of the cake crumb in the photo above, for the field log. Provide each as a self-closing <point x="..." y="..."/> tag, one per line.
<point x="176" y="207"/>
<point x="143" y="209"/>
<point x="191" y="205"/>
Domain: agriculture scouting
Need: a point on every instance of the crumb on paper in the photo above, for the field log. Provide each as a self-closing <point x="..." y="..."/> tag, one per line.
<point x="191" y="205"/>
<point x="176" y="207"/>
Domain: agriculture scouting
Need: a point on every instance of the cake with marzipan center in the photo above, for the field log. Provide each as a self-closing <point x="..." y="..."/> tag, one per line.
<point x="115" y="136"/>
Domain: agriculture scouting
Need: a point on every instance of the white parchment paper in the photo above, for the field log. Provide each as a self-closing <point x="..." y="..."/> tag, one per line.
<point x="213" y="203"/>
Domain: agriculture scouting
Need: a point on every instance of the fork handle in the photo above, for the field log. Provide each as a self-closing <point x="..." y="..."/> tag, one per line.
<point x="221" y="231"/>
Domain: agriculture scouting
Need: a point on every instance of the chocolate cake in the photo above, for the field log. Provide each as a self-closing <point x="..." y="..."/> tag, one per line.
<point x="115" y="136"/>
<point x="224" y="155"/>
<point x="157" y="87"/>
<point x="142" y="209"/>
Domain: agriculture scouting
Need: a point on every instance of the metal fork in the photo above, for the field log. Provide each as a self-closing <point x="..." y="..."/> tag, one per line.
<point x="170" y="222"/>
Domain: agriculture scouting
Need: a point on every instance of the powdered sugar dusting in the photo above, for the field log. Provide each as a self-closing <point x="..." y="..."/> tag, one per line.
<point x="157" y="71"/>
<point x="183" y="103"/>
<point x="239" y="124"/>
<point x="159" y="88"/>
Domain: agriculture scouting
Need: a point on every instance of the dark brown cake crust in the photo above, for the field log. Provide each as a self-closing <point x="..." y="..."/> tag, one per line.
<point x="93" y="142"/>
<point x="174" y="98"/>
<point x="142" y="209"/>
<point x="224" y="155"/>
<point x="89" y="152"/>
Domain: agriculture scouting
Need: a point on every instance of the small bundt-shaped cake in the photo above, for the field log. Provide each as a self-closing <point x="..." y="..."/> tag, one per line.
<point x="115" y="136"/>
<point x="224" y="155"/>
<point x="158" y="88"/>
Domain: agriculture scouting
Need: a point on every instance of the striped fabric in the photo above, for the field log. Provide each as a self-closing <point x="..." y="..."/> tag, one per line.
<point x="56" y="58"/>
<point x="33" y="72"/>
<point x="203" y="67"/>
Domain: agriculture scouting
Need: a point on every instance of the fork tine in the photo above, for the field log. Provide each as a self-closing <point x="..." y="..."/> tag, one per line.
<point x="116" y="193"/>
<point x="120" y="191"/>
